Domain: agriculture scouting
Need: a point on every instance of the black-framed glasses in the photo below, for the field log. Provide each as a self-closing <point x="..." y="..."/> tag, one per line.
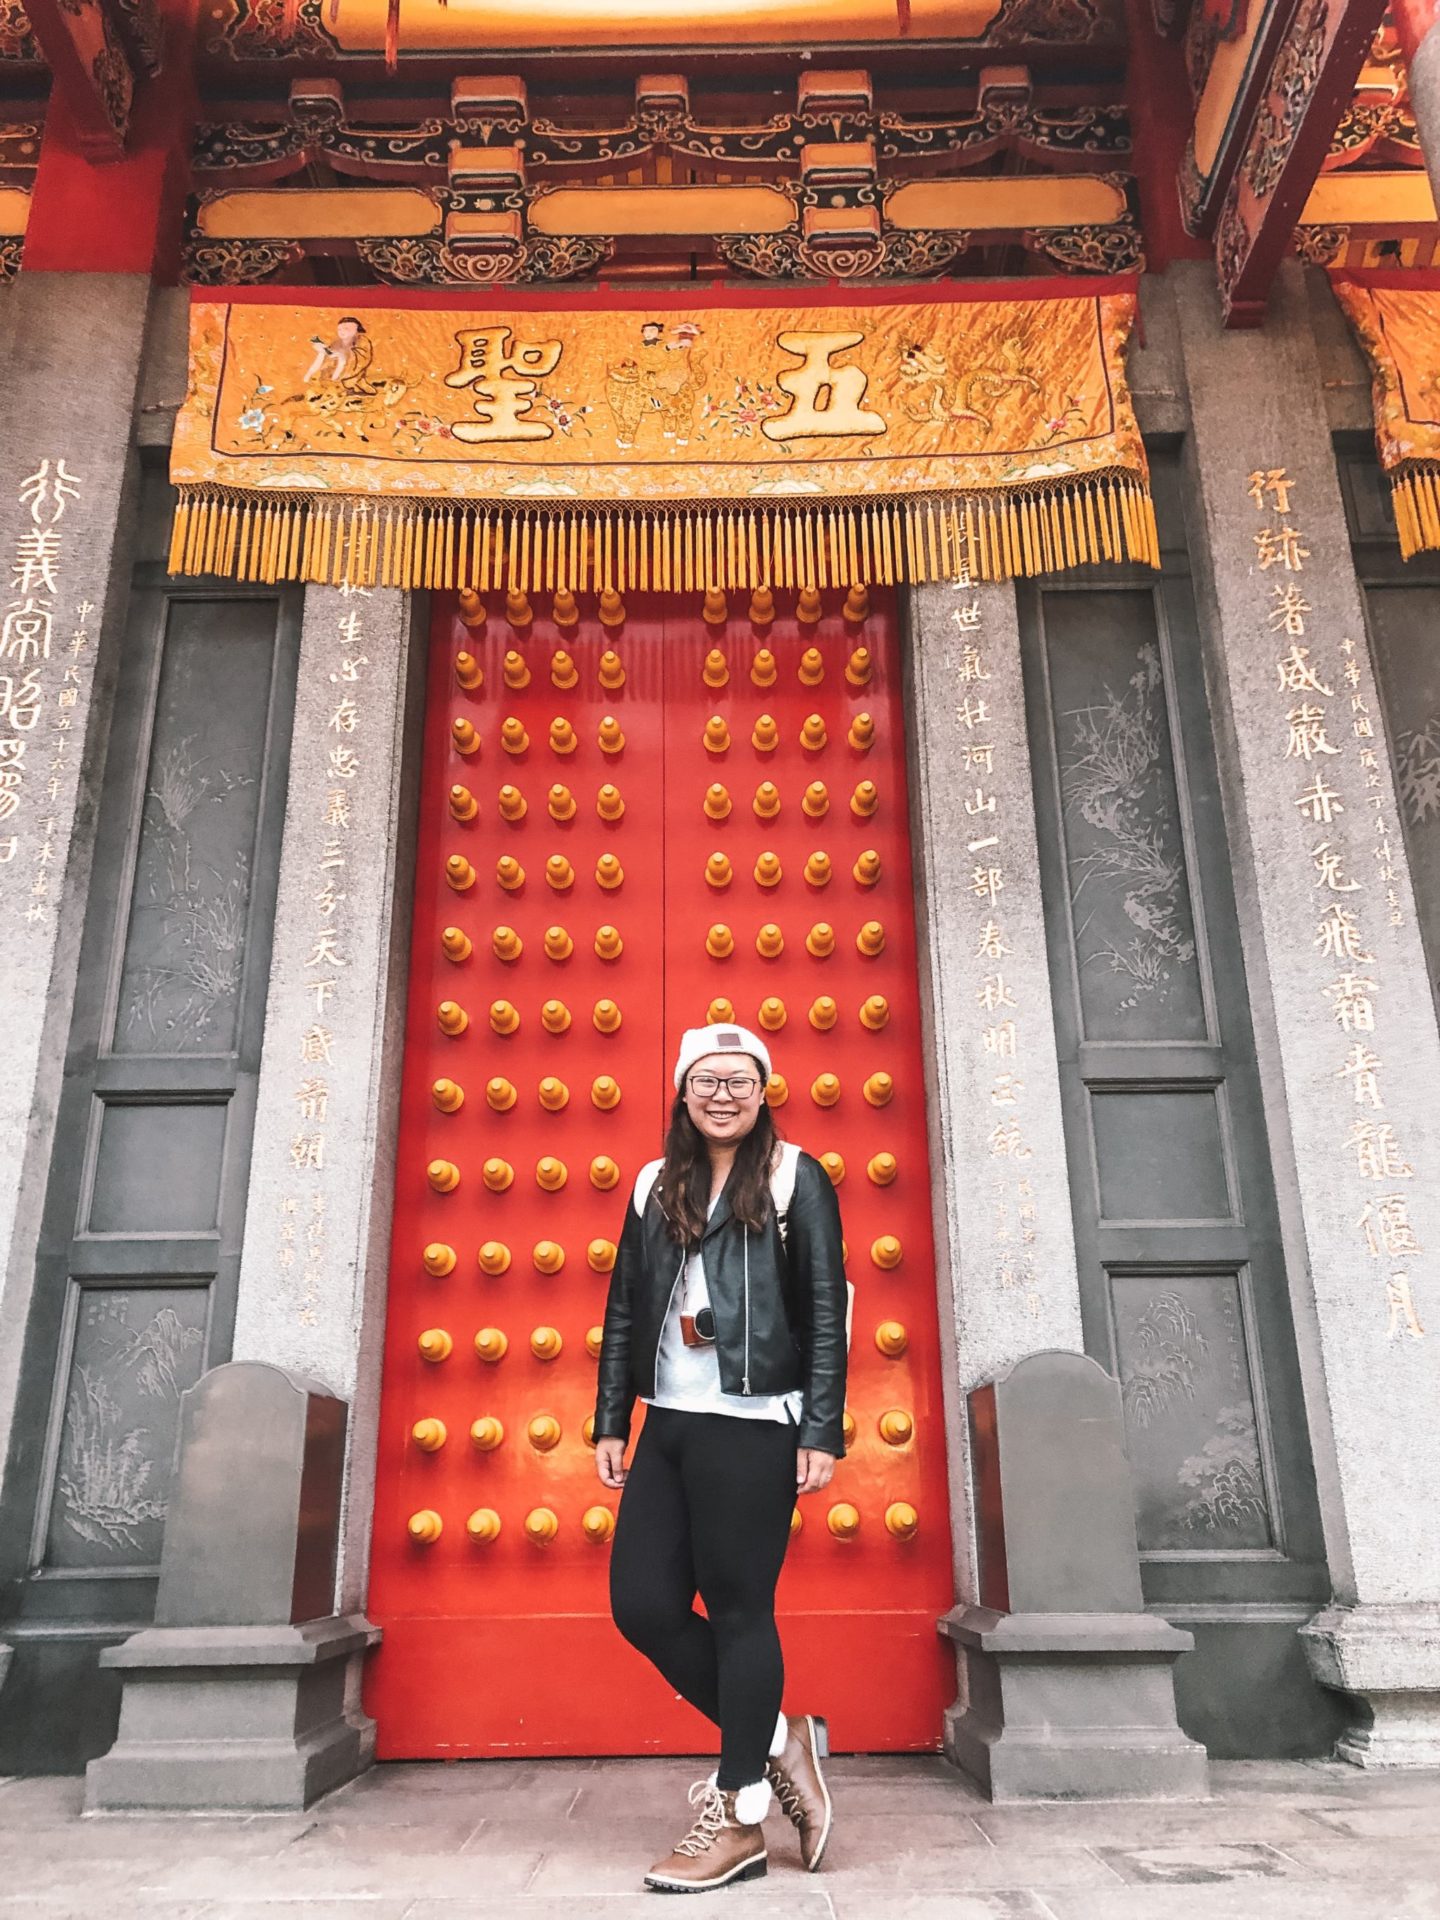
<point x="739" y="1085"/>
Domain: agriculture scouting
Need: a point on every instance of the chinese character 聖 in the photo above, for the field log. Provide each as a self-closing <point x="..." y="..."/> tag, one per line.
<point x="503" y="384"/>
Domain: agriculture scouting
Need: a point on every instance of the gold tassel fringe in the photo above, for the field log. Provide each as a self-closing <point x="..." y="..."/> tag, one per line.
<point x="405" y="543"/>
<point x="1415" y="491"/>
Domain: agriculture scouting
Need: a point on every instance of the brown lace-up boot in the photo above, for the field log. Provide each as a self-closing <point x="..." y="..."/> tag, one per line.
<point x="719" y="1847"/>
<point x="800" y="1788"/>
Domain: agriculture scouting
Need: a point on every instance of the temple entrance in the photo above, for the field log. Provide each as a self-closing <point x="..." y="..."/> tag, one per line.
<point x="622" y="825"/>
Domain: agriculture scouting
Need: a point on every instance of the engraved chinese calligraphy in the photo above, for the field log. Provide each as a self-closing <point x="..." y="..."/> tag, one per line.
<point x="1311" y="695"/>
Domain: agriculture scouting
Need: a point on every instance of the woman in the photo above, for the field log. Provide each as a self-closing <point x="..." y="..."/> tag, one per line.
<point x="726" y="1316"/>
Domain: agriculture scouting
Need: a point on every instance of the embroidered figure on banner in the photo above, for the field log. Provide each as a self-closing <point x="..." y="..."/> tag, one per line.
<point x="659" y="382"/>
<point x="938" y="394"/>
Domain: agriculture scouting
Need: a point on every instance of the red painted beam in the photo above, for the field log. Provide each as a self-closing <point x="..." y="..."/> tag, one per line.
<point x="1157" y="99"/>
<point x="94" y="78"/>
<point x="125" y="214"/>
<point x="1310" y="80"/>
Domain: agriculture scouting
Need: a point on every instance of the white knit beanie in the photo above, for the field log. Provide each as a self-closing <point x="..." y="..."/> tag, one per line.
<point x="696" y="1042"/>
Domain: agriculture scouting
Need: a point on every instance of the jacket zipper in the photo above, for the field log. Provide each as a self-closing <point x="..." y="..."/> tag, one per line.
<point x="655" y="1384"/>
<point x="747" y="1310"/>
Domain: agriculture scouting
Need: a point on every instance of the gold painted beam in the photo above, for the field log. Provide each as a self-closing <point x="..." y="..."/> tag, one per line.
<point x="669" y="211"/>
<point x="1032" y="200"/>
<point x="483" y="25"/>
<point x="1399" y="198"/>
<point x="318" y="213"/>
<point x="14" y="212"/>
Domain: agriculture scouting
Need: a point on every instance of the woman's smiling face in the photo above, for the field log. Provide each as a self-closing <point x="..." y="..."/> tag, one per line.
<point x="723" y="1116"/>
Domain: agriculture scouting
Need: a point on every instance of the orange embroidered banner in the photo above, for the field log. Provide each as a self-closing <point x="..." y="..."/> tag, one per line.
<point x="1399" y="328"/>
<point x="714" y="443"/>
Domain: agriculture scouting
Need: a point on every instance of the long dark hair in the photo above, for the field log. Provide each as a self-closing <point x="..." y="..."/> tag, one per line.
<point x="683" y="1188"/>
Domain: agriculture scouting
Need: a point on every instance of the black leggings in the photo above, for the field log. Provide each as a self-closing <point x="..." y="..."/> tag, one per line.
<point x="706" y="1509"/>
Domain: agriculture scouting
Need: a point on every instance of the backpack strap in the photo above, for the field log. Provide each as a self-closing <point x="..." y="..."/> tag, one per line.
<point x="782" y="1185"/>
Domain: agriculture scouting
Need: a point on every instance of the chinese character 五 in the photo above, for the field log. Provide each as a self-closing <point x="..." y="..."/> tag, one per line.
<point x="824" y="398"/>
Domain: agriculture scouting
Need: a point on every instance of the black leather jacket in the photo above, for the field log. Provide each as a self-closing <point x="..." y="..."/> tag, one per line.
<point x="786" y="1329"/>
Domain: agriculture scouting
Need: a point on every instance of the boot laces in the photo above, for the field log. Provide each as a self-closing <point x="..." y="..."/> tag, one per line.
<point x="786" y="1792"/>
<point x="708" y="1822"/>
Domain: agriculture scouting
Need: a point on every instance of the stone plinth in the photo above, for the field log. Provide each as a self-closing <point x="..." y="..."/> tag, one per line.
<point x="236" y="1697"/>
<point x="1069" y="1688"/>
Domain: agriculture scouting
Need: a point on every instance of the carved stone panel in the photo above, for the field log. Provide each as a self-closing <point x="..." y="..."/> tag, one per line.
<point x="1124" y="853"/>
<point x="189" y="908"/>
<point x="1190" y="1413"/>
<point x="133" y="1352"/>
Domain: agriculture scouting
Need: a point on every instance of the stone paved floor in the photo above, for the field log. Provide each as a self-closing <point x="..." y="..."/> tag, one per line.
<point x="567" y="1840"/>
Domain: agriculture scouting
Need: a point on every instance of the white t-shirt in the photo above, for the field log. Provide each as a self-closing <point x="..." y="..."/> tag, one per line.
<point x="687" y="1379"/>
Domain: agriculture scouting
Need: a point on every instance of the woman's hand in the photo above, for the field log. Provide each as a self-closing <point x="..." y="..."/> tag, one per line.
<point x="813" y="1469"/>
<point x="610" y="1462"/>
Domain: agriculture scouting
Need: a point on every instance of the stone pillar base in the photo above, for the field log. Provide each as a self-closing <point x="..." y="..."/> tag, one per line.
<point x="1071" y="1706"/>
<point x="236" y="1719"/>
<point x="1387" y="1659"/>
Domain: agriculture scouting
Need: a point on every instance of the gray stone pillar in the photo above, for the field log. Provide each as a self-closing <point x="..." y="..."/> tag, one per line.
<point x="312" y="1276"/>
<point x="1349" y="1053"/>
<point x="67" y="404"/>
<point x="1005" y="1246"/>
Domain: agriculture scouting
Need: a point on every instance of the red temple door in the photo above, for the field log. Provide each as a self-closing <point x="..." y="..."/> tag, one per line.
<point x="489" y="1567"/>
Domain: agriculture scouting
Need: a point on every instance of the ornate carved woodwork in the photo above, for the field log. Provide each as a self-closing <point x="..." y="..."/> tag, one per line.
<point x="837" y="187"/>
<point x="1307" y="87"/>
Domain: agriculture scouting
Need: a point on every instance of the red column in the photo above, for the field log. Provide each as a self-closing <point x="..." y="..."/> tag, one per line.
<point x="1158" y="101"/>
